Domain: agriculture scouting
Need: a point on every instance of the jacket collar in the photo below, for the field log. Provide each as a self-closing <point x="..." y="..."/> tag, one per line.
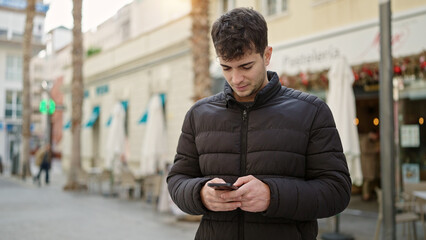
<point x="266" y="93"/>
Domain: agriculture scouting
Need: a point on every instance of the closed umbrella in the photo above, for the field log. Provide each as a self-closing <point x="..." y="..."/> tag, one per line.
<point x="341" y="101"/>
<point x="115" y="143"/>
<point x="116" y="138"/>
<point x="154" y="146"/>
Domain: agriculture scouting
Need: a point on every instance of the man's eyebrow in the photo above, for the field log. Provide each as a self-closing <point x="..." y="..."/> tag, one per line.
<point x="245" y="64"/>
<point x="242" y="65"/>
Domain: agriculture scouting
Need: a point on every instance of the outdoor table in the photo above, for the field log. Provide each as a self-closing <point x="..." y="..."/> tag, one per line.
<point x="420" y="198"/>
<point x="94" y="174"/>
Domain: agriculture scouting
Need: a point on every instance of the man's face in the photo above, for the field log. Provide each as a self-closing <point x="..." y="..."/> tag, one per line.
<point x="247" y="75"/>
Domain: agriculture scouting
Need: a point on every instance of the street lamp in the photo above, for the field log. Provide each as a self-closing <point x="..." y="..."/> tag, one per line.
<point x="47" y="107"/>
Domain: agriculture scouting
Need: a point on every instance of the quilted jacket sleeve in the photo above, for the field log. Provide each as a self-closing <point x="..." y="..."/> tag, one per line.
<point x="185" y="179"/>
<point x="326" y="189"/>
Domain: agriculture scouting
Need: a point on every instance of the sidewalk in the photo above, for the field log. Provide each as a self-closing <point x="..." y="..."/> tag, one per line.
<point x="47" y="212"/>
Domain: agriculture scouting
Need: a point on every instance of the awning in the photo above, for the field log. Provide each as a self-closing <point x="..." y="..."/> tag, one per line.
<point x="144" y="117"/>
<point x="67" y="125"/>
<point x="93" y="117"/>
<point x="109" y="121"/>
<point x="125" y="105"/>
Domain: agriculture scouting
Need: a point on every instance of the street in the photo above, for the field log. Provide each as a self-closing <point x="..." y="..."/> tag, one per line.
<point x="47" y="212"/>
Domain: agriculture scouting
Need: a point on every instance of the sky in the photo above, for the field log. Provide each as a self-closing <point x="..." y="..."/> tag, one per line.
<point x="95" y="12"/>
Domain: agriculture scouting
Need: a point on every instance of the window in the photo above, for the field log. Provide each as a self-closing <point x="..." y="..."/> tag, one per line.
<point x="274" y="7"/>
<point x="9" y="104"/>
<point x="14" y="68"/>
<point x="3" y="33"/>
<point x="17" y="36"/>
<point x="226" y="5"/>
<point x="18" y="105"/>
<point x="13" y="107"/>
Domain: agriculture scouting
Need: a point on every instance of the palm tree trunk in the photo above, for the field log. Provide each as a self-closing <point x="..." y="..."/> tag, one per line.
<point x="26" y="98"/>
<point x="200" y="48"/>
<point x="77" y="90"/>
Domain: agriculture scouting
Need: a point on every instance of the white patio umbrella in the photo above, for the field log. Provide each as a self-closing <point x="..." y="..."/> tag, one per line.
<point x="341" y="101"/>
<point x="116" y="138"/>
<point x="154" y="146"/>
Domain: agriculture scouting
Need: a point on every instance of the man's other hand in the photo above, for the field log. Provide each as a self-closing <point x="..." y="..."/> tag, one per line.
<point x="253" y="194"/>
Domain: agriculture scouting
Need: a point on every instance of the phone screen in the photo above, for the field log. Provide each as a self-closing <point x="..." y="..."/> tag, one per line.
<point x="222" y="186"/>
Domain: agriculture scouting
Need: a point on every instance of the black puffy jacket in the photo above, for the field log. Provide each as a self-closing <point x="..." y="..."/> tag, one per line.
<point x="287" y="139"/>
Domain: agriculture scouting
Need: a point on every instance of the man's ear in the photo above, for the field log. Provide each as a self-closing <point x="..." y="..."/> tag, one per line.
<point x="267" y="55"/>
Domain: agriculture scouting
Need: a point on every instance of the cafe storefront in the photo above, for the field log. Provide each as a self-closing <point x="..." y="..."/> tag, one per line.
<point x="304" y="63"/>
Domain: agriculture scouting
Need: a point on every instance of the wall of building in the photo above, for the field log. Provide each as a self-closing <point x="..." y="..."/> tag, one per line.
<point x="154" y="62"/>
<point x="112" y="32"/>
<point x="315" y="17"/>
<point x="148" y="15"/>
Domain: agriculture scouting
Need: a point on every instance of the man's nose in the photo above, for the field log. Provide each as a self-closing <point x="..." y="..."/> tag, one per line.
<point x="237" y="77"/>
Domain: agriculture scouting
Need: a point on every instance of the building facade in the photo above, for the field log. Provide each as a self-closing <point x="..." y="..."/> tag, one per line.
<point x="130" y="66"/>
<point x="150" y="54"/>
<point x="12" y="24"/>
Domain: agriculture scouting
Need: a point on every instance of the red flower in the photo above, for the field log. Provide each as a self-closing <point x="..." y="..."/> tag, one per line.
<point x="367" y="71"/>
<point x="356" y="76"/>
<point x="324" y="78"/>
<point x="397" y="70"/>
<point x="304" y="79"/>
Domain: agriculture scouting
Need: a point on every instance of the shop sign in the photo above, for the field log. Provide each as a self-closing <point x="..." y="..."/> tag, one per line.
<point x="410" y="136"/>
<point x="358" y="43"/>
<point x="101" y="90"/>
<point x="411" y="172"/>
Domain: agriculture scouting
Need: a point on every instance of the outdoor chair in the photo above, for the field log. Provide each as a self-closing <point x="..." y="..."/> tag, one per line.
<point x="405" y="215"/>
<point x="82" y="177"/>
<point x="151" y="188"/>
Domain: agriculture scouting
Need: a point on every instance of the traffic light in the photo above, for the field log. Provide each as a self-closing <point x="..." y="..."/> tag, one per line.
<point x="46" y="107"/>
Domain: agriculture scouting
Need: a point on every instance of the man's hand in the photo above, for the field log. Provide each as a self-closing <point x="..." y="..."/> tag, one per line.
<point x="253" y="194"/>
<point x="212" y="200"/>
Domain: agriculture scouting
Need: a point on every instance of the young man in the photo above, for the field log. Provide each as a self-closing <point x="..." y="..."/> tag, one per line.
<point x="279" y="146"/>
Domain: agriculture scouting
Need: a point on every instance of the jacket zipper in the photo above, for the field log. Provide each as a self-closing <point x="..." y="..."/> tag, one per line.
<point x="244" y="133"/>
<point x="244" y="130"/>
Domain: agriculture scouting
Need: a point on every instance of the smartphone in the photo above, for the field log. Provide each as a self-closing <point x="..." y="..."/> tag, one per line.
<point x="222" y="186"/>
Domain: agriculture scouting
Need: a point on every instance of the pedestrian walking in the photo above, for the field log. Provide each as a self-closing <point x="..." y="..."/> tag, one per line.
<point x="278" y="147"/>
<point x="43" y="160"/>
<point x="370" y="163"/>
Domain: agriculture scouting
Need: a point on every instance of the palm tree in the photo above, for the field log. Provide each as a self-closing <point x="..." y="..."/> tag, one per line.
<point x="26" y="98"/>
<point x="200" y="48"/>
<point x="77" y="90"/>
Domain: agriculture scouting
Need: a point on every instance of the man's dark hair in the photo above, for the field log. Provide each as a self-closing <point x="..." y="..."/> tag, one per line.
<point x="238" y="31"/>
